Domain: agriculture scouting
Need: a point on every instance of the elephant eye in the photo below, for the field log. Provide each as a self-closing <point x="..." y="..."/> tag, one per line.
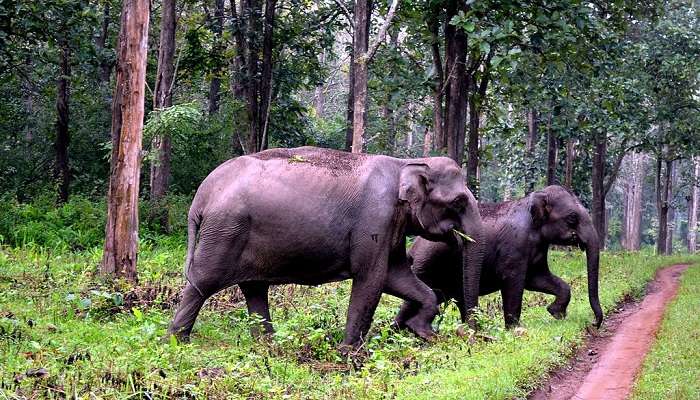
<point x="571" y="219"/>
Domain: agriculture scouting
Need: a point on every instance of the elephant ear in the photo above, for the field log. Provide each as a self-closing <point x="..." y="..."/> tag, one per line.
<point x="413" y="185"/>
<point x="539" y="208"/>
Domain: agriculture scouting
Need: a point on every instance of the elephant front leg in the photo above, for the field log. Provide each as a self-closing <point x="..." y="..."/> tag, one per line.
<point x="257" y="301"/>
<point x="364" y="298"/>
<point x="546" y="282"/>
<point x="512" y="295"/>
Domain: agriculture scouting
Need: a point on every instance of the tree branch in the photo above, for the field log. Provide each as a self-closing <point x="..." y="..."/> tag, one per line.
<point x="382" y="30"/>
<point x="346" y="12"/>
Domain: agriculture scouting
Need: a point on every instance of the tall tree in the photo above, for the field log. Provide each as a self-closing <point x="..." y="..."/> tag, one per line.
<point x="633" y="188"/>
<point x="61" y="167"/>
<point x="121" y="232"/>
<point x="217" y="29"/>
<point x="693" y="199"/>
<point x="163" y="98"/>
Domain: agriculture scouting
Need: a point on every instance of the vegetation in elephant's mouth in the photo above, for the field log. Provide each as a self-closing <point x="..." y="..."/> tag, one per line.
<point x="63" y="331"/>
<point x="463" y="235"/>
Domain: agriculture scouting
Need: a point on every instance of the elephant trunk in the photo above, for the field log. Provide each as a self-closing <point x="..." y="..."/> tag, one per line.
<point x="590" y="243"/>
<point x="472" y="258"/>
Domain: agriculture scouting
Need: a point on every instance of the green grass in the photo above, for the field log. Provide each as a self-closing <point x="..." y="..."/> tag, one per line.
<point x="672" y="368"/>
<point x="92" y="340"/>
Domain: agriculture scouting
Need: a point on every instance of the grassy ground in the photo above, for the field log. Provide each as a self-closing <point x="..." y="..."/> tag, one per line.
<point x="64" y="332"/>
<point x="672" y="368"/>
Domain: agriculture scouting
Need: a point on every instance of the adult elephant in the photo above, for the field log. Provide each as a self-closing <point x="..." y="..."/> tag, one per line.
<point x="311" y="216"/>
<point x="518" y="235"/>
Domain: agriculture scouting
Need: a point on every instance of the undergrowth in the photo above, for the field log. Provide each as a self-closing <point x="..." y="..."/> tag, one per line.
<point x="64" y="332"/>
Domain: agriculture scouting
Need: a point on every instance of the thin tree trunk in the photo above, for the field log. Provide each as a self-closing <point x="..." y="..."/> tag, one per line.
<point x="362" y="16"/>
<point x="266" y="78"/>
<point x="105" y="65"/>
<point x="238" y="65"/>
<point x="215" y="84"/>
<point x="160" y="166"/>
<point x="632" y="207"/>
<point x="476" y="104"/>
<point x="253" y="28"/>
<point x="569" y="168"/>
<point x="61" y="168"/>
<point x="530" y="144"/>
<point x="438" y="86"/>
<point x="319" y="93"/>
<point x="662" y="196"/>
<point x="121" y="232"/>
<point x="671" y="208"/>
<point x="598" y="187"/>
<point x="456" y="105"/>
<point x="351" y="103"/>
<point x="427" y="142"/>
<point x="552" y="153"/>
<point x="693" y="207"/>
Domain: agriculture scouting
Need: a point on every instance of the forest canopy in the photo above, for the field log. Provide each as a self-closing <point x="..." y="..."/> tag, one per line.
<point x="600" y="97"/>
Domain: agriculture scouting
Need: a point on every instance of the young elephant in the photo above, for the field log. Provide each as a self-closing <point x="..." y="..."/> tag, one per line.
<point x="518" y="235"/>
<point x="311" y="216"/>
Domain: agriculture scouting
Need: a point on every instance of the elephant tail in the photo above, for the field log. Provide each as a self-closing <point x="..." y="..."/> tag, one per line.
<point x="193" y="221"/>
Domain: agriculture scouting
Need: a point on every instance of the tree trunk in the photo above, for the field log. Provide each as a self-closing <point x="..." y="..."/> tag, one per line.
<point x="456" y="104"/>
<point x="438" y="87"/>
<point x="552" y="152"/>
<point x="427" y="142"/>
<point x="266" y="78"/>
<point x="530" y="145"/>
<point x="238" y="64"/>
<point x="252" y="86"/>
<point x="160" y="166"/>
<point x="693" y="207"/>
<point x="662" y="206"/>
<point x="633" y="187"/>
<point x="105" y="65"/>
<point x="569" y="168"/>
<point x="351" y="102"/>
<point x="215" y="84"/>
<point x="61" y="168"/>
<point x="598" y="187"/>
<point x="362" y="16"/>
<point x="319" y="93"/>
<point x="121" y="232"/>
<point x="671" y="208"/>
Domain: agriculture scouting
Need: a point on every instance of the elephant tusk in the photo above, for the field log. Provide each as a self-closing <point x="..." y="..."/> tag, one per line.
<point x="464" y="235"/>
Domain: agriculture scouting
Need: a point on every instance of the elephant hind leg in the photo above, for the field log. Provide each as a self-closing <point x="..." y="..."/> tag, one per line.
<point x="257" y="300"/>
<point x="546" y="282"/>
<point x="190" y="303"/>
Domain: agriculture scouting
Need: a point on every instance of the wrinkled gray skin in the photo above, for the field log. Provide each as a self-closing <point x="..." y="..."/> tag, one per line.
<point x="518" y="235"/>
<point x="311" y="216"/>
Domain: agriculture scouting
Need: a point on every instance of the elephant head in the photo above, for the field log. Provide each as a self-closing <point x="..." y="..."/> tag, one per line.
<point x="561" y="220"/>
<point x="441" y="208"/>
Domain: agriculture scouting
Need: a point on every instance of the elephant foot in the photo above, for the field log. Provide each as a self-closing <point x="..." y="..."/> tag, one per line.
<point x="556" y="311"/>
<point x="422" y="329"/>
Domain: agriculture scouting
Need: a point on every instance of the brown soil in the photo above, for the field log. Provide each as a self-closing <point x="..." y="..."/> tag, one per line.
<point x="606" y="366"/>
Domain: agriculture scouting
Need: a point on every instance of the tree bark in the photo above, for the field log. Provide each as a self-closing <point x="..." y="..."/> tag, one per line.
<point x="160" y="166"/>
<point x="598" y="187"/>
<point x="569" y="168"/>
<point x="530" y="145"/>
<point x="693" y="207"/>
<point x="552" y="153"/>
<point x="121" y="232"/>
<point x="476" y="103"/>
<point x="456" y="105"/>
<point x="362" y="16"/>
<point x="671" y="208"/>
<point x="105" y="65"/>
<point x="61" y="167"/>
<point x="662" y="206"/>
<point x="351" y="102"/>
<point x="633" y="188"/>
<point x="266" y="78"/>
<point x="319" y="92"/>
<point x="252" y="86"/>
<point x="215" y="84"/>
<point x="438" y="87"/>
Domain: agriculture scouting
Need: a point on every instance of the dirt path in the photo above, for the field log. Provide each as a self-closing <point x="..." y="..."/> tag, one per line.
<point x="606" y="367"/>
